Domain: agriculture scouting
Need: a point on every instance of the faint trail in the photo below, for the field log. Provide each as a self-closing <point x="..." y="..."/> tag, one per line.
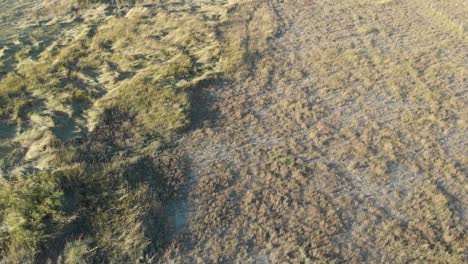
<point x="359" y="99"/>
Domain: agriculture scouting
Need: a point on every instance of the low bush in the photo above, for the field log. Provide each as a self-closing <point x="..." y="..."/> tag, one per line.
<point x="31" y="212"/>
<point x="76" y="252"/>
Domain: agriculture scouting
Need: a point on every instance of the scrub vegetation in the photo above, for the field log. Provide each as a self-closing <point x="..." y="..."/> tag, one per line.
<point x="233" y="131"/>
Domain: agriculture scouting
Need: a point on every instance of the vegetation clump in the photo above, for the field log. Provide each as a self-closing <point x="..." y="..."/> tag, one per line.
<point x="32" y="211"/>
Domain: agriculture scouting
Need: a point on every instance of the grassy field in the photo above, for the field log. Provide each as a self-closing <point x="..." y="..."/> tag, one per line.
<point x="233" y="131"/>
<point x="346" y="144"/>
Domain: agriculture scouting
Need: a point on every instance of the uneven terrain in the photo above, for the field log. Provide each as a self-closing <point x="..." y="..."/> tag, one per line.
<point x="235" y="132"/>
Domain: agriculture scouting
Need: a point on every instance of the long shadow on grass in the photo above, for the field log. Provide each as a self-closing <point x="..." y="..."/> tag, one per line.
<point x="125" y="187"/>
<point x="7" y="130"/>
<point x="111" y="164"/>
<point x="202" y="101"/>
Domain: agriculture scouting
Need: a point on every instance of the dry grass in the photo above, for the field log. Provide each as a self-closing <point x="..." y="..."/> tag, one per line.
<point x="91" y="109"/>
<point x="352" y="149"/>
<point x="340" y="136"/>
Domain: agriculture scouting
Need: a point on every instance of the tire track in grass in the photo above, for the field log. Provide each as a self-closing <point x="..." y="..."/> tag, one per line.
<point x="324" y="158"/>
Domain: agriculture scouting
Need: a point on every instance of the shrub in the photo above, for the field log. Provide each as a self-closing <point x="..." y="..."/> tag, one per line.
<point x="76" y="252"/>
<point x="12" y="87"/>
<point x="31" y="212"/>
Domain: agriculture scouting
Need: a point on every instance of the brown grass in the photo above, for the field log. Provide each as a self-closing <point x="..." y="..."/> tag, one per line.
<point x="338" y="136"/>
